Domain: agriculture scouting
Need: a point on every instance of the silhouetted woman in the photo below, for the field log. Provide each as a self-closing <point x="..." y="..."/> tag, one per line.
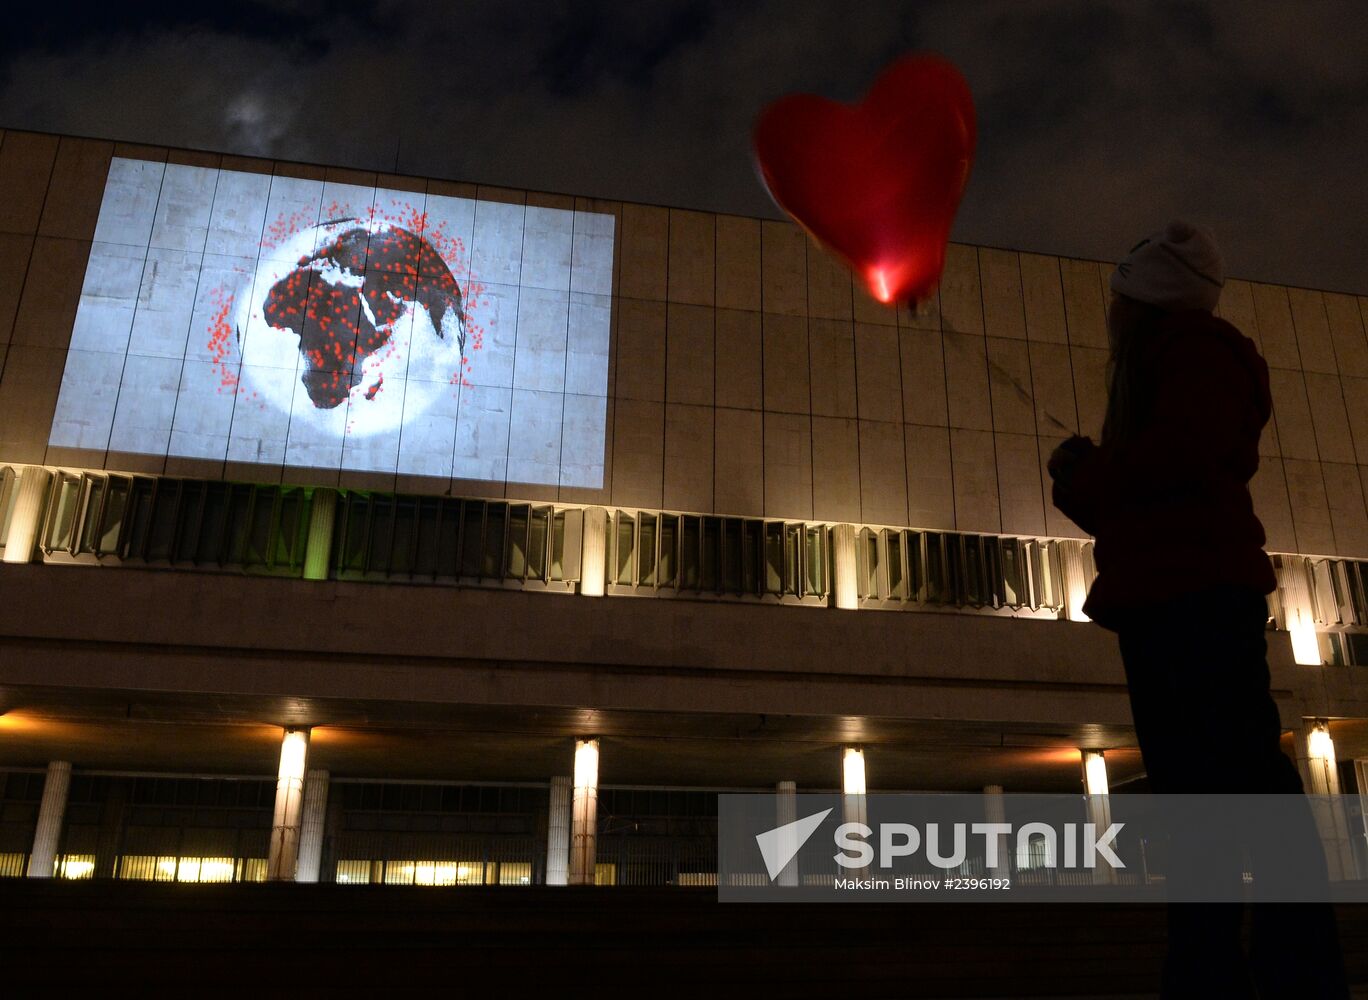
<point x="1182" y="579"/>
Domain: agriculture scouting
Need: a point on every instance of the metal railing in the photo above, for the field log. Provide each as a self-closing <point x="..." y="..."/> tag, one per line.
<point x="167" y="522"/>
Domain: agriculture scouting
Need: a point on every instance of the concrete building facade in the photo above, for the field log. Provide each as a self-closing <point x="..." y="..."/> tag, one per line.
<point x="803" y="523"/>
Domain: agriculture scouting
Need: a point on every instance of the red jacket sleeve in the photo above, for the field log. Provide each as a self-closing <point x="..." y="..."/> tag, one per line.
<point x="1203" y="408"/>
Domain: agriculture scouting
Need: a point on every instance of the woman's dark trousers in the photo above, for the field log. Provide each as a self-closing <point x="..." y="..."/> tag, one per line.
<point x="1207" y="725"/>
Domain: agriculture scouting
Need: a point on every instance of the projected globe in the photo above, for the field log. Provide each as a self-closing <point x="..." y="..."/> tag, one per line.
<point x="367" y="312"/>
<point x="420" y="333"/>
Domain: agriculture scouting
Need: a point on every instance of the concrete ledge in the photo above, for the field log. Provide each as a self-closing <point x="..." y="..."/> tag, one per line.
<point x="148" y="630"/>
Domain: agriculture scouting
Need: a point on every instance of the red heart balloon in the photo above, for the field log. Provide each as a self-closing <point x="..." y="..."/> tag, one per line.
<point x="878" y="182"/>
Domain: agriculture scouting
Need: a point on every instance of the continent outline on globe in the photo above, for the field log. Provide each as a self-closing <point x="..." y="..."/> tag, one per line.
<point x="343" y="300"/>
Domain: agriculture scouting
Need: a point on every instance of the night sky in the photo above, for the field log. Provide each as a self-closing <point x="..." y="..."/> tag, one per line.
<point x="1097" y="121"/>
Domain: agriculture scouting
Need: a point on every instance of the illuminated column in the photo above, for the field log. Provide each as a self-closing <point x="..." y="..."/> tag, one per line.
<point x="27" y="515"/>
<point x="322" y="515"/>
<point x="1320" y="771"/>
<point x="594" y="551"/>
<point x="843" y="565"/>
<point x="785" y="812"/>
<point x="1099" y="805"/>
<point x="853" y="785"/>
<point x="313" y="822"/>
<point x="1320" y="767"/>
<point x="50" y="812"/>
<point x="1294" y="592"/>
<point x="558" y="832"/>
<point x="1075" y="580"/>
<point x="289" y="801"/>
<point x="995" y="811"/>
<point x="1095" y="774"/>
<point x="853" y="800"/>
<point x="584" y="817"/>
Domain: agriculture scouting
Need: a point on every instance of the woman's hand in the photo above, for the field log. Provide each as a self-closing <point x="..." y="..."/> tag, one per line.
<point x="1064" y="459"/>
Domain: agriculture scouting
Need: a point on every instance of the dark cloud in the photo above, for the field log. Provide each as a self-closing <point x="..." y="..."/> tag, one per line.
<point x="303" y="27"/>
<point x="591" y="44"/>
<point x="1098" y="120"/>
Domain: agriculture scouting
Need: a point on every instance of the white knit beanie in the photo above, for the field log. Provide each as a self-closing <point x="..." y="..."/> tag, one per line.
<point x="1177" y="269"/>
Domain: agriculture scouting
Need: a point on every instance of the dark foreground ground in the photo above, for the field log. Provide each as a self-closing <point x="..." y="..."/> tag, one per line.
<point x="148" y="939"/>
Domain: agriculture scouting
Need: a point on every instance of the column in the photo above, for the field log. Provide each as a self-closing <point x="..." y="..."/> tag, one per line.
<point x="322" y="515"/>
<point x="313" y="824"/>
<point x="584" y="815"/>
<point x="289" y="803"/>
<point x="1319" y="766"/>
<point x="594" y="551"/>
<point x="48" y="836"/>
<point x="843" y="567"/>
<point x="786" y="812"/>
<point x="995" y="811"/>
<point x="1320" y="772"/>
<point x="853" y="785"/>
<point x="853" y="801"/>
<point x="1294" y="592"/>
<point x="1098" y="806"/>
<point x="1075" y="580"/>
<point x="27" y="516"/>
<point x="558" y="832"/>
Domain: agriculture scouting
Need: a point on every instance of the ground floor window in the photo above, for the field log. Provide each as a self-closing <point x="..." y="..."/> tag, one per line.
<point x="163" y="868"/>
<point x="365" y="871"/>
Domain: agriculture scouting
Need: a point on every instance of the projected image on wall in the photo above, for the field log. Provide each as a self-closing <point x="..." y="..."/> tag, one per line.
<point x="275" y="320"/>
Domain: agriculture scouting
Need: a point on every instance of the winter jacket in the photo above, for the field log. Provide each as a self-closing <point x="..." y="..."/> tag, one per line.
<point x="1170" y="507"/>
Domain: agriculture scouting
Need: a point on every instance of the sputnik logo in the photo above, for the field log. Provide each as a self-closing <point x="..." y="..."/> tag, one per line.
<point x="778" y="846"/>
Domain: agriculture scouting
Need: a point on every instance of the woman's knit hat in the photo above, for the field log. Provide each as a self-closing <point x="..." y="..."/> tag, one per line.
<point x="1177" y="269"/>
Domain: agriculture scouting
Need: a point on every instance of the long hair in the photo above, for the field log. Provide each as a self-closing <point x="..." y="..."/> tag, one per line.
<point x="1130" y="324"/>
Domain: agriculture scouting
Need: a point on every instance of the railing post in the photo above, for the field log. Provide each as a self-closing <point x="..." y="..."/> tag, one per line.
<point x="322" y="516"/>
<point x="27" y="516"/>
<point x="1294" y="585"/>
<point x="844" y="567"/>
<point x="594" y="551"/>
<point x="1075" y="580"/>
